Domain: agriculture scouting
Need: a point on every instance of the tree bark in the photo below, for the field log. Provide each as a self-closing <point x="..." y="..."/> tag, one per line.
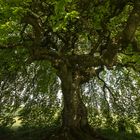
<point x="74" y="113"/>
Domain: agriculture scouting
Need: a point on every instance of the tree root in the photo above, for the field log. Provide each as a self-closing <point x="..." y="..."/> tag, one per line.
<point x="75" y="134"/>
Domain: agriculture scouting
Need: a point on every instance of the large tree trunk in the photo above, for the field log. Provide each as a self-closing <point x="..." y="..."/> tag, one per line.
<point x="74" y="112"/>
<point x="74" y="116"/>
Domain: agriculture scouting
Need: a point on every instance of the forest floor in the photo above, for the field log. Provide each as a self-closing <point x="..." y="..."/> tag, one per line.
<point x="42" y="133"/>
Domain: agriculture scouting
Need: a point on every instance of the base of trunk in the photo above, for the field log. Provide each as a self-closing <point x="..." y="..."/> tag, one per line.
<point x="64" y="133"/>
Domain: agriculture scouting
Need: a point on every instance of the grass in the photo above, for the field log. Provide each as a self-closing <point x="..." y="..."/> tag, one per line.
<point x="110" y="134"/>
<point x="21" y="133"/>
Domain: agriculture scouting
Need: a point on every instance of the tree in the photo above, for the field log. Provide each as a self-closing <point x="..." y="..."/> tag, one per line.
<point x="79" y="38"/>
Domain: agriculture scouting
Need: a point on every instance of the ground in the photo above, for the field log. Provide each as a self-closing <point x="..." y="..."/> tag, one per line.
<point x="57" y="133"/>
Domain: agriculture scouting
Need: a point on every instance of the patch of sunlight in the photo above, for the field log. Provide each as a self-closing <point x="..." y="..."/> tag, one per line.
<point x="17" y="122"/>
<point x="138" y="128"/>
<point x="56" y="114"/>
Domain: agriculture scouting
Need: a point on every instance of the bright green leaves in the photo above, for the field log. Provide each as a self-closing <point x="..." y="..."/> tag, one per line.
<point x="12" y="10"/>
<point x="9" y="32"/>
<point x="18" y="11"/>
<point x="63" y="15"/>
<point x="130" y="60"/>
<point x="117" y="23"/>
<point x="72" y="15"/>
<point x="62" y="24"/>
<point x="9" y="22"/>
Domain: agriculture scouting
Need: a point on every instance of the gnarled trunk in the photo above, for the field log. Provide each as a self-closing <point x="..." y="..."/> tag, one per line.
<point x="74" y="112"/>
<point x="74" y="116"/>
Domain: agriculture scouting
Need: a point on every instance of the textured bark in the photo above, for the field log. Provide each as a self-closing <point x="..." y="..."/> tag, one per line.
<point x="74" y="112"/>
<point x="74" y="116"/>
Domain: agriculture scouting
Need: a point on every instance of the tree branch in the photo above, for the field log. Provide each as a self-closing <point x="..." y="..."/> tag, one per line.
<point x="132" y="23"/>
<point x="84" y="60"/>
<point x="33" y="20"/>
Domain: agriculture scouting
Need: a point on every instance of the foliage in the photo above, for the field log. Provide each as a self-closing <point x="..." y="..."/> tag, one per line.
<point x="98" y="41"/>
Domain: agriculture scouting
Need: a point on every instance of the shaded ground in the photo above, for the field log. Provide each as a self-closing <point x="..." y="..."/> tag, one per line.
<point x="44" y="134"/>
